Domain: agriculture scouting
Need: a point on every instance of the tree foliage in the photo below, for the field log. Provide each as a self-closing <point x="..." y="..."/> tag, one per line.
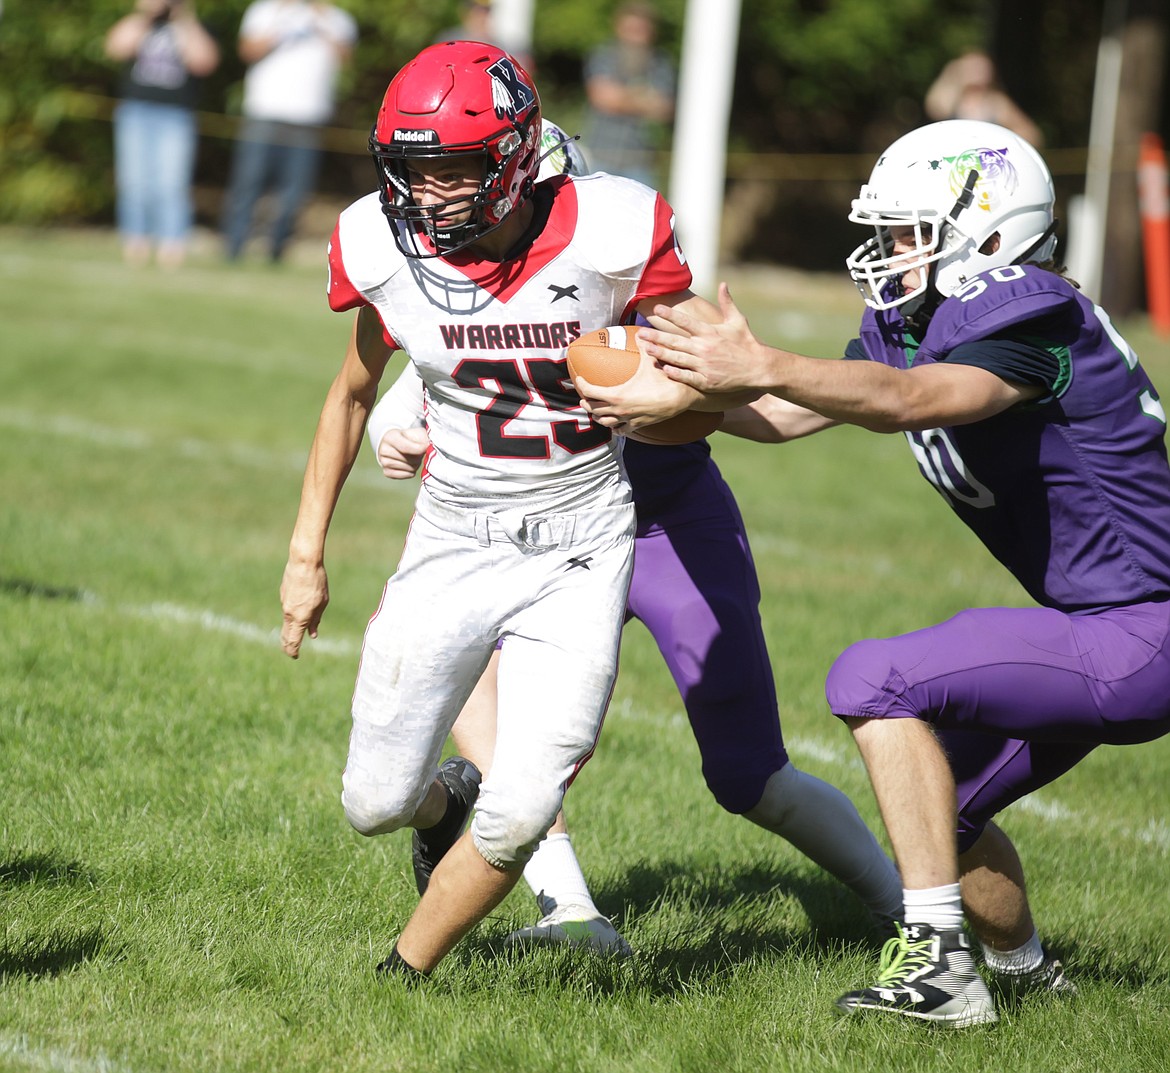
<point x="813" y="76"/>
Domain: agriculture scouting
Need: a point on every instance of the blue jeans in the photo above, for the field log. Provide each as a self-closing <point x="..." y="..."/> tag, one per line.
<point x="154" y="159"/>
<point x="283" y="155"/>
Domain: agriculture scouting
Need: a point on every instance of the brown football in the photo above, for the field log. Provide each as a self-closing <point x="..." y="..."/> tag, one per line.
<point x="609" y="356"/>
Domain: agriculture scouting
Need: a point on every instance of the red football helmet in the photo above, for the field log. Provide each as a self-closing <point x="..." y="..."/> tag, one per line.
<point x="458" y="98"/>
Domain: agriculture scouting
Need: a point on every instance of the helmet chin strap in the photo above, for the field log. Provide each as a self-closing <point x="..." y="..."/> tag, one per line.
<point x="918" y="312"/>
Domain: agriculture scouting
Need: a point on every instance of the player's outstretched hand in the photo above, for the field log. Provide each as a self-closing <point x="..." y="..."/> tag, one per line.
<point x="304" y="592"/>
<point x="716" y="359"/>
<point x="401" y="451"/>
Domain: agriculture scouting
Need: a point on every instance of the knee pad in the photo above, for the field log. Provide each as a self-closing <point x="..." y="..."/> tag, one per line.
<point x="738" y="790"/>
<point x="509" y="825"/>
<point x="379" y="807"/>
<point x="865" y="682"/>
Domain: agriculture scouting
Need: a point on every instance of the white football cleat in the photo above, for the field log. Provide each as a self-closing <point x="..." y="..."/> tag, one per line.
<point x="574" y="925"/>
<point x="1047" y="978"/>
<point x="929" y="975"/>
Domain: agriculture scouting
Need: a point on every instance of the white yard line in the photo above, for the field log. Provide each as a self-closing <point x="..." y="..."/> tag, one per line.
<point x="60" y="426"/>
<point x="216" y="623"/>
<point x="18" y="1051"/>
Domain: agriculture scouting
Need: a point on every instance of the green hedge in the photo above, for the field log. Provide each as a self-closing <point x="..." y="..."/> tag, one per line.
<point x="813" y="76"/>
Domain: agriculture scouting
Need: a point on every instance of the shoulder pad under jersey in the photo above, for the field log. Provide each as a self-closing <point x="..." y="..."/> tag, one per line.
<point x="993" y="302"/>
<point x="615" y="224"/>
<point x="368" y="251"/>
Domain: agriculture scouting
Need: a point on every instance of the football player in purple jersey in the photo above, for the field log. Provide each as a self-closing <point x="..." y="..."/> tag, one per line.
<point x="695" y="588"/>
<point x="1033" y="417"/>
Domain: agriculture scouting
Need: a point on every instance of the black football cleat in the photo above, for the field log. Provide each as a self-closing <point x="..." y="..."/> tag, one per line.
<point x="460" y="778"/>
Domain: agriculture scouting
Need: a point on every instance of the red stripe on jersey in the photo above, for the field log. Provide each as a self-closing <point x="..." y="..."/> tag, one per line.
<point x="342" y="294"/>
<point x="502" y="279"/>
<point x="667" y="271"/>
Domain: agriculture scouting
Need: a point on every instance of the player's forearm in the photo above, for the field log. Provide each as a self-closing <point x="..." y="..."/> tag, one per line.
<point x="873" y="396"/>
<point x="885" y="399"/>
<point x="331" y="457"/>
<point x="773" y="420"/>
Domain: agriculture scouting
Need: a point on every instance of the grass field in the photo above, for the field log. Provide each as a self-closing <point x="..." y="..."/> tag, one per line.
<point x="179" y="889"/>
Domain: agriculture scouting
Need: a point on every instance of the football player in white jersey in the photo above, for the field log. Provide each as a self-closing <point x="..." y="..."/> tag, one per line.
<point x="523" y="527"/>
<point x="702" y="614"/>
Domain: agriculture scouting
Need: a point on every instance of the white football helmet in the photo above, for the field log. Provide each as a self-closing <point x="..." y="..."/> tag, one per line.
<point x="957" y="183"/>
<point x="560" y="153"/>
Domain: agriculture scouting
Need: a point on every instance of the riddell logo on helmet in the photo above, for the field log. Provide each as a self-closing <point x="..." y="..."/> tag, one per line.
<point x="428" y="136"/>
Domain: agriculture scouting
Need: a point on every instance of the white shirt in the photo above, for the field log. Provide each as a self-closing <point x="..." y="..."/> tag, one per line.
<point x="489" y="340"/>
<point x="295" y="82"/>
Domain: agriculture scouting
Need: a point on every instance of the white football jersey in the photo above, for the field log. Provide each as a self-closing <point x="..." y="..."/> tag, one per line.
<point x="488" y="339"/>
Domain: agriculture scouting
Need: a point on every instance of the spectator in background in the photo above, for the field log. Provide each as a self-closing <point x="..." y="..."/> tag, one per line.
<point x="630" y="87"/>
<point x="164" y="50"/>
<point x="475" y="23"/>
<point x="295" y="50"/>
<point x="968" y="88"/>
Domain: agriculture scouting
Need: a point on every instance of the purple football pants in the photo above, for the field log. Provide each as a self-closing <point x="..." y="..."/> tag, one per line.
<point x="1017" y="695"/>
<point x="695" y="588"/>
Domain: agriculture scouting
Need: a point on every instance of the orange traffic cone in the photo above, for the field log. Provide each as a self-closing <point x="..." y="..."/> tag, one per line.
<point x="1154" y="204"/>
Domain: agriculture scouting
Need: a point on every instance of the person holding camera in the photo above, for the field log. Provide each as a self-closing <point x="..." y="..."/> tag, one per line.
<point x="295" y="50"/>
<point x="165" y="51"/>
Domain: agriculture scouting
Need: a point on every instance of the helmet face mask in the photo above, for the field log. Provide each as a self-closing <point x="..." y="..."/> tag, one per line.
<point x="446" y="225"/>
<point x="454" y="293"/>
<point x="456" y="99"/>
<point x="957" y="184"/>
<point x="880" y="272"/>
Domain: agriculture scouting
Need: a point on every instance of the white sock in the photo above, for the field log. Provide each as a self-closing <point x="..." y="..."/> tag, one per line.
<point x="821" y="822"/>
<point x="1017" y="962"/>
<point x="940" y="907"/>
<point x="555" y="876"/>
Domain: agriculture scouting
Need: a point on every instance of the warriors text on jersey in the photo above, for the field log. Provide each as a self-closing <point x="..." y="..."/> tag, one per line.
<point x="489" y="339"/>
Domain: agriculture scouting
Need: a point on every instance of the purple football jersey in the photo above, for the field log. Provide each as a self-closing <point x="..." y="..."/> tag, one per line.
<point x="661" y="474"/>
<point x="1071" y="492"/>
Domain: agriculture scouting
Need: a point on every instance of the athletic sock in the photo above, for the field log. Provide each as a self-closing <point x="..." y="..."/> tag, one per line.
<point x="555" y="876"/>
<point x="1017" y="962"/>
<point x="397" y="965"/>
<point x="940" y="907"/>
<point x="824" y="825"/>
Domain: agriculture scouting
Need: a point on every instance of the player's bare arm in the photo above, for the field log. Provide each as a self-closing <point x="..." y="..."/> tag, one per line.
<point x="725" y="357"/>
<point x="773" y="420"/>
<point x="304" y="590"/>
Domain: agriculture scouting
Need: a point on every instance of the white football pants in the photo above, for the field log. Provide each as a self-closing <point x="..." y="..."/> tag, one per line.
<point x="555" y="586"/>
